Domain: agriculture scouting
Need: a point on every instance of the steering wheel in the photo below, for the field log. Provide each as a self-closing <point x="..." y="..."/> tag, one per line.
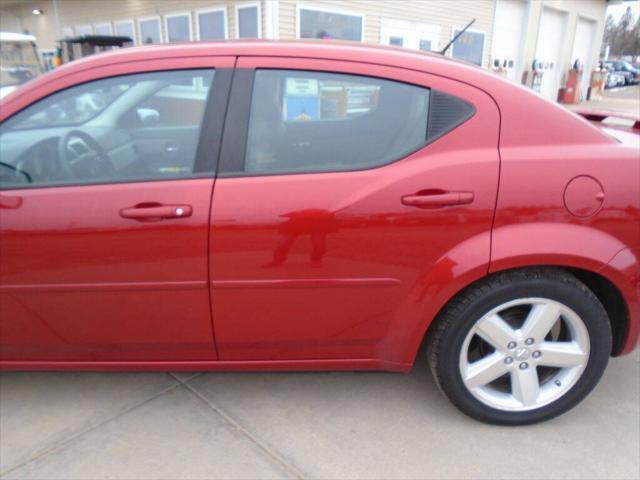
<point x="93" y="162"/>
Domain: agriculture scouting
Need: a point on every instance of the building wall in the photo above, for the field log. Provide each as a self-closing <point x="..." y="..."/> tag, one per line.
<point x="447" y="14"/>
<point x="19" y="18"/>
<point x="81" y="12"/>
<point x="72" y="13"/>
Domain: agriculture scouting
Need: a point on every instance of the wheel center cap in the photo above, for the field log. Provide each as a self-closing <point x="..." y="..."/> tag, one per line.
<point x="522" y="353"/>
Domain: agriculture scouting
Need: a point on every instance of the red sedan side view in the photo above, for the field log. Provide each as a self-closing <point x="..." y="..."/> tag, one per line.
<point x="317" y="206"/>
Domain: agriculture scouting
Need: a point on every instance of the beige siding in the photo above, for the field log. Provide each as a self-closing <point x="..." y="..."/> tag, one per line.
<point x="19" y="18"/>
<point x="73" y="13"/>
<point x="446" y="13"/>
<point x="80" y="12"/>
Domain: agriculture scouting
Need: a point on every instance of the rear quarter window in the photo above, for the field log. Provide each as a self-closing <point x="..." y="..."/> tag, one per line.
<point x="304" y="121"/>
<point x="315" y="122"/>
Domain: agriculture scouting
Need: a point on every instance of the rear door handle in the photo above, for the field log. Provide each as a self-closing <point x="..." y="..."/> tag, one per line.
<point x="156" y="212"/>
<point x="438" y="199"/>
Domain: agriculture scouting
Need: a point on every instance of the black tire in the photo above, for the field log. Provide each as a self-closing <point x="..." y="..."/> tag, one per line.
<point x="448" y="333"/>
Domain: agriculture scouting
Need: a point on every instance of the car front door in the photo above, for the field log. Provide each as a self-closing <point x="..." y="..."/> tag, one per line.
<point x="104" y="209"/>
<point x="349" y="197"/>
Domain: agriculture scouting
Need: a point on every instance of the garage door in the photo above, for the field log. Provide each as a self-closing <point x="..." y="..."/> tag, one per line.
<point x="553" y="24"/>
<point x="508" y="26"/>
<point x="583" y="49"/>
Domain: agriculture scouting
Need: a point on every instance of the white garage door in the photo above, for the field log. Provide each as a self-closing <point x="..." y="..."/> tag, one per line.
<point x="553" y="24"/>
<point x="507" y="42"/>
<point x="583" y="49"/>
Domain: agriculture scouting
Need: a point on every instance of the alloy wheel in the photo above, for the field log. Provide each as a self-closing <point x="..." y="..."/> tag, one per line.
<point x="524" y="354"/>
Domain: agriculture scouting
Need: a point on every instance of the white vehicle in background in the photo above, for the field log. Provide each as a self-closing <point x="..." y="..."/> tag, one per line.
<point x="614" y="79"/>
<point x="19" y="61"/>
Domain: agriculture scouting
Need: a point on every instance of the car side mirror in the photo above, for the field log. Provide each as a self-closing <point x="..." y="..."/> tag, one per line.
<point x="148" y="117"/>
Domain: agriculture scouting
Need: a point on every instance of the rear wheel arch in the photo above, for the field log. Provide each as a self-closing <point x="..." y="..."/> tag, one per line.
<point x="604" y="289"/>
<point x="478" y="377"/>
<point x="613" y="302"/>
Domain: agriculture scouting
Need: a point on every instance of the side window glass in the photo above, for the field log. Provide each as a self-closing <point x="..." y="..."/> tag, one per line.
<point x="317" y="122"/>
<point x="166" y="106"/>
<point x="311" y="99"/>
<point x="135" y="127"/>
<point x="67" y="110"/>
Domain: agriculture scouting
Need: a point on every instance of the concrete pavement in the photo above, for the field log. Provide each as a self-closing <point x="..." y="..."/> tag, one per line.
<point x="623" y="99"/>
<point x="299" y="425"/>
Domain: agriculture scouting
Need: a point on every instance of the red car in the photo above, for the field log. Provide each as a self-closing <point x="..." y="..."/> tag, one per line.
<point x="316" y="206"/>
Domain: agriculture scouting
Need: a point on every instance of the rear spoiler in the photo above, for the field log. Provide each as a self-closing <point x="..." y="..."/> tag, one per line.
<point x="601" y="116"/>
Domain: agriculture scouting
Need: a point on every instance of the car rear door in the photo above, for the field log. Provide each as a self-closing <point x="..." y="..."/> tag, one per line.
<point x="112" y="266"/>
<point x="338" y="217"/>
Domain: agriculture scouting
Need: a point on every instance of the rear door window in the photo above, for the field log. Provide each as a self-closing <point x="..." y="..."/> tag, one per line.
<point x="304" y="121"/>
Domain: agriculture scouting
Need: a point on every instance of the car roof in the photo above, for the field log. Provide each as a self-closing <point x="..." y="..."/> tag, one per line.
<point x="329" y="49"/>
<point x="429" y="62"/>
<point x="516" y="102"/>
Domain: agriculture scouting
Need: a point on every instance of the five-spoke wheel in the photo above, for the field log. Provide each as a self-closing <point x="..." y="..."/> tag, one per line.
<point x="524" y="354"/>
<point x="521" y="347"/>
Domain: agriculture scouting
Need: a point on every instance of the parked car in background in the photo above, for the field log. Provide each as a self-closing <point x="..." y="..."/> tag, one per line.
<point x="623" y="78"/>
<point x="367" y="201"/>
<point x="631" y="73"/>
<point x="614" y="79"/>
<point x="19" y="61"/>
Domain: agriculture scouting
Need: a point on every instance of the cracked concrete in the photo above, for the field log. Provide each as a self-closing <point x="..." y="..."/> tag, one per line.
<point x="299" y="425"/>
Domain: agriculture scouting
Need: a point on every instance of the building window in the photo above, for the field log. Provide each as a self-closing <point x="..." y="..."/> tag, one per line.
<point x="102" y="29"/>
<point x="396" y="41"/>
<point x="47" y="59"/>
<point x="125" y="28"/>
<point x="149" y="29"/>
<point x="314" y="23"/>
<point x="425" y="45"/>
<point x="84" y="30"/>
<point x="212" y="24"/>
<point x="178" y="27"/>
<point x="469" y="47"/>
<point x="248" y="21"/>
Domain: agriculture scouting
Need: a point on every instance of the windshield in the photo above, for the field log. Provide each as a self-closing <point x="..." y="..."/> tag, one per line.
<point x="19" y="63"/>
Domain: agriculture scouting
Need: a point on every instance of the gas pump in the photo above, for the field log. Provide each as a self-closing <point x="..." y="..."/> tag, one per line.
<point x="533" y="78"/>
<point x="572" y="93"/>
<point x="598" y="82"/>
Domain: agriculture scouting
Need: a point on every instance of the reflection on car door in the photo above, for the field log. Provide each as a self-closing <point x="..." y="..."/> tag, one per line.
<point x="325" y="233"/>
<point x="116" y="270"/>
